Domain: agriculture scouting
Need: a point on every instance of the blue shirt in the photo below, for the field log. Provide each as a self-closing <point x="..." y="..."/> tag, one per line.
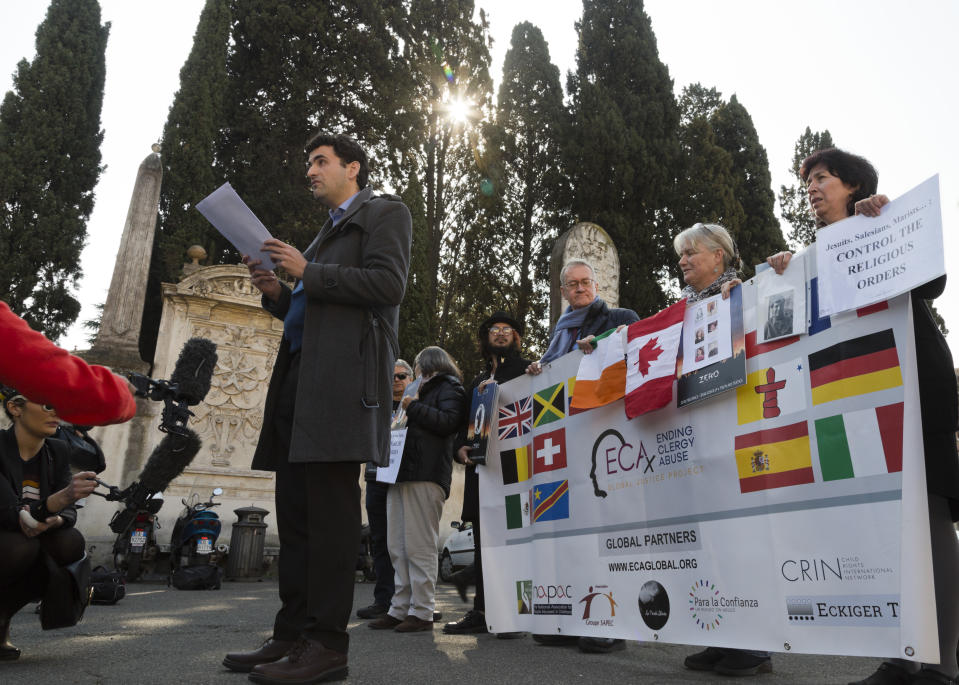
<point x="296" y="314"/>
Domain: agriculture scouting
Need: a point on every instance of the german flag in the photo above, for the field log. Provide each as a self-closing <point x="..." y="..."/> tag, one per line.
<point x="855" y="367"/>
<point x="515" y="465"/>
<point x="774" y="458"/>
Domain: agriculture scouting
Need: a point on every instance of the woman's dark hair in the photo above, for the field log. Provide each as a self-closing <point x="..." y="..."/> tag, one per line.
<point x="347" y="150"/>
<point x="435" y="360"/>
<point x="851" y="169"/>
<point x="18" y="400"/>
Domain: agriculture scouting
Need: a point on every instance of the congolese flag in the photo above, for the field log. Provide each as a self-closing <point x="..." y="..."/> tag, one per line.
<point x="774" y="458"/>
<point x="515" y="465"/>
<point x="550" y="501"/>
<point x="860" y="443"/>
<point x="855" y="367"/>
<point x="601" y="377"/>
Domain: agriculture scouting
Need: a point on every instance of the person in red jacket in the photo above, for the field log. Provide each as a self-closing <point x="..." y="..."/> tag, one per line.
<point x="82" y="393"/>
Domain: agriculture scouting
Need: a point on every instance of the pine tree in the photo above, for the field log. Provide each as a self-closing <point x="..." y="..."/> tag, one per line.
<point x="622" y="149"/>
<point x="530" y="188"/>
<point x="190" y="165"/>
<point x="792" y="199"/>
<point x="759" y="235"/>
<point x="50" y="139"/>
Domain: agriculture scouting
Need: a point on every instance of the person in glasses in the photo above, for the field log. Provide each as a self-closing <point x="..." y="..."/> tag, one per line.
<point x="500" y="339"/>
<point x="710" y="264"/>
<point x="376" y="513"/>
<point x="586" y="317"/>
<point x="709" y="261"/>
<point x="415" y="502"/>
<point x="34" y="477"/>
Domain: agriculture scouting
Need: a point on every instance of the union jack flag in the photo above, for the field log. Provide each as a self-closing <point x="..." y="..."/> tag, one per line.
<point x="516" y="419"/>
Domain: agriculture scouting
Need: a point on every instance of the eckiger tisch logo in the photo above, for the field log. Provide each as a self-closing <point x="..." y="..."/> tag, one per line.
<point x="604" y="606"/>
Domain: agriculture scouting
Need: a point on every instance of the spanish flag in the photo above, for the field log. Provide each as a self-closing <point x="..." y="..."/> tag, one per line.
<point x="855" y="367"/>
<point x="774" y="458"/>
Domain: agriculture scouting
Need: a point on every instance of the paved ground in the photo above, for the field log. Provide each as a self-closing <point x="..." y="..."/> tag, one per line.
<point x="161" y="635"/>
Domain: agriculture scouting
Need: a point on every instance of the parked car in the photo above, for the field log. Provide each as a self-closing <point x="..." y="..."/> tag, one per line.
<point x="457" y="550"/>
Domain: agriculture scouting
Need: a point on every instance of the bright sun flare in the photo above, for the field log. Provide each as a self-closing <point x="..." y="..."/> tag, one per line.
<point x="459" y="110"/>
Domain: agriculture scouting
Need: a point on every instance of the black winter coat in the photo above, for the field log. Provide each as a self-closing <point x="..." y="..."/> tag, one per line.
<point x="507" y="368"/>
<point x="54" y="476"/>
<point x="938" y="400"/>
<point x="434" y="420"/>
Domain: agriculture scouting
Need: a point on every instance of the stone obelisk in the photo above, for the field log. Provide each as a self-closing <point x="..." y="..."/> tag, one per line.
<point x="117" y="343"/>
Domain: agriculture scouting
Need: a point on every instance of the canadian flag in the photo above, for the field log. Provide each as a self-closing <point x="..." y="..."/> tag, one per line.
<point x="651" y="349"/>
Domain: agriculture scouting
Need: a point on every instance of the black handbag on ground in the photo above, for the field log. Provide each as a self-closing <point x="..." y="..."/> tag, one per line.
<point x="109" y="587"/>
<point x="67" y="594"/>
<point x="202" y="577"/>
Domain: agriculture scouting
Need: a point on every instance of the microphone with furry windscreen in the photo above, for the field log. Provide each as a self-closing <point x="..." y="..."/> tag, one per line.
<point x="188" y="385"/>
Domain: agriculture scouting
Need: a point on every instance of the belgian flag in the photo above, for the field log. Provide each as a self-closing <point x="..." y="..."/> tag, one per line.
<point x="515" y="465"/>
<point x="855" y="367"/>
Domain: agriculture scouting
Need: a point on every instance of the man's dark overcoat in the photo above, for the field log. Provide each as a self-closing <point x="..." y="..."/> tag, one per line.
<point x="354" y="282"/>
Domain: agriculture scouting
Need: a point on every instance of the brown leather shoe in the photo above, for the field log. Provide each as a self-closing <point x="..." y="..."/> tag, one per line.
<point x="412" y="624"/>
<point x="270" y="651"/>
<point x="307" y="662"/>
<point x="384" y="622"/>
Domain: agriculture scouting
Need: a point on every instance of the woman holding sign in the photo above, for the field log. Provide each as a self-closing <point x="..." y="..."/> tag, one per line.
<point x="710" y="264"/>
<point x="415" y="501"/>
<point x="840" y="184"/>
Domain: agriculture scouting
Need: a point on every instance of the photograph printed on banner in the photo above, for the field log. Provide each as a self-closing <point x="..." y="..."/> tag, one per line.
<point x="718" y="364"/>
<point x="781" y="301"/>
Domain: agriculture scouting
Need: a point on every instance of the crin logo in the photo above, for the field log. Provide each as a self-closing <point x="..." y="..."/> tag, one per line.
<point x="595" y="592"/>
<point x="524" y="596"/>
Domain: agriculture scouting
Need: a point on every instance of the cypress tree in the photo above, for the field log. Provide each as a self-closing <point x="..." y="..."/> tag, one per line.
<point x="792" y="199"/>
<point x="190" y="166"/>
<point x="50" y="139"/>
<point x="759" y="235"/>
<point x="529" y="124"/>
<point x="622" y="148"/>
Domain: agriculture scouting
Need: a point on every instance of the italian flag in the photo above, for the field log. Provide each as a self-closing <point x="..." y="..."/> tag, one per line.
<point x="860" y="443"/>
<point x="601" y="377"/>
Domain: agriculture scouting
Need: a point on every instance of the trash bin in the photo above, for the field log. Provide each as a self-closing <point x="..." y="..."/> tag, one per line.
<point x="245" y="561"/>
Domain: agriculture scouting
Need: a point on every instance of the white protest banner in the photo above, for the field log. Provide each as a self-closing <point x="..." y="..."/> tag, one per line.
<point x="789" y="514"/>
<point x="863" y="260"/>
<point x="387" y="474"/>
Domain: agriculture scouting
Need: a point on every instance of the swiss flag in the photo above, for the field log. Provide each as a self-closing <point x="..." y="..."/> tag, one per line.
<point x="651" y="349"/>
<point x="549" y="451"/>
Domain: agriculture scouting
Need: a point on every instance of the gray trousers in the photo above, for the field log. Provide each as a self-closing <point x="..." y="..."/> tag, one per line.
<point x="413" y="523"/>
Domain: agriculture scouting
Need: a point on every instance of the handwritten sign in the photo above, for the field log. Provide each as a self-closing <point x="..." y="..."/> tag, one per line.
<point x="863" y="260"/>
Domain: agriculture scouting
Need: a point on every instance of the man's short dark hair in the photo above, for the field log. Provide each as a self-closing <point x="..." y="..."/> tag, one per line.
<point x="851" y="169"/>
<point x="347" y="150"/>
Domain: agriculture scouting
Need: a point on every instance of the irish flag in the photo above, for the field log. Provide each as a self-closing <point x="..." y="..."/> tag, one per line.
<point x="651" y="351"/>
<point x="601" y="377"/>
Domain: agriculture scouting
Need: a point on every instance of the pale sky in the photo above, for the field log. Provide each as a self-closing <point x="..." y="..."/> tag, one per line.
<point x="878" y="74"/>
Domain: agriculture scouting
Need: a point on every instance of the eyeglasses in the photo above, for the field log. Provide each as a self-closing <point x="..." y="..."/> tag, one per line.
<point x="585" y="282"/>
<point x="400" y="376"/>
<point x="504" y="330"/>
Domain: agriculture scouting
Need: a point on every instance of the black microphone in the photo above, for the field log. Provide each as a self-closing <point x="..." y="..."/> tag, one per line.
<point x="168" y="460"/>
<point x="194" y="370"/>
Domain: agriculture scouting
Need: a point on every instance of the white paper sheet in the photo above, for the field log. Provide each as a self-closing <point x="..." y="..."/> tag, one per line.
<point x="231" y="217"/>
<point x="781" y="302"/>
<point x="706" y="333"/>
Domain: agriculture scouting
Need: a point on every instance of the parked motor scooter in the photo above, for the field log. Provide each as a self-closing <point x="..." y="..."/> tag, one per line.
<point x="136" y="537"/>
<point x="195" y="533"/>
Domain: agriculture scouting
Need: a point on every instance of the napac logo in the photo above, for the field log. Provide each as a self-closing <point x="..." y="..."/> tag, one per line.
<point x="844" y="610"/>
<point x="617" y="464"/>
<point x="599" y="608"/>
<point x="708" y="607"/>
<point x="553" y="600"/>
<point x="524" y="596"/>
